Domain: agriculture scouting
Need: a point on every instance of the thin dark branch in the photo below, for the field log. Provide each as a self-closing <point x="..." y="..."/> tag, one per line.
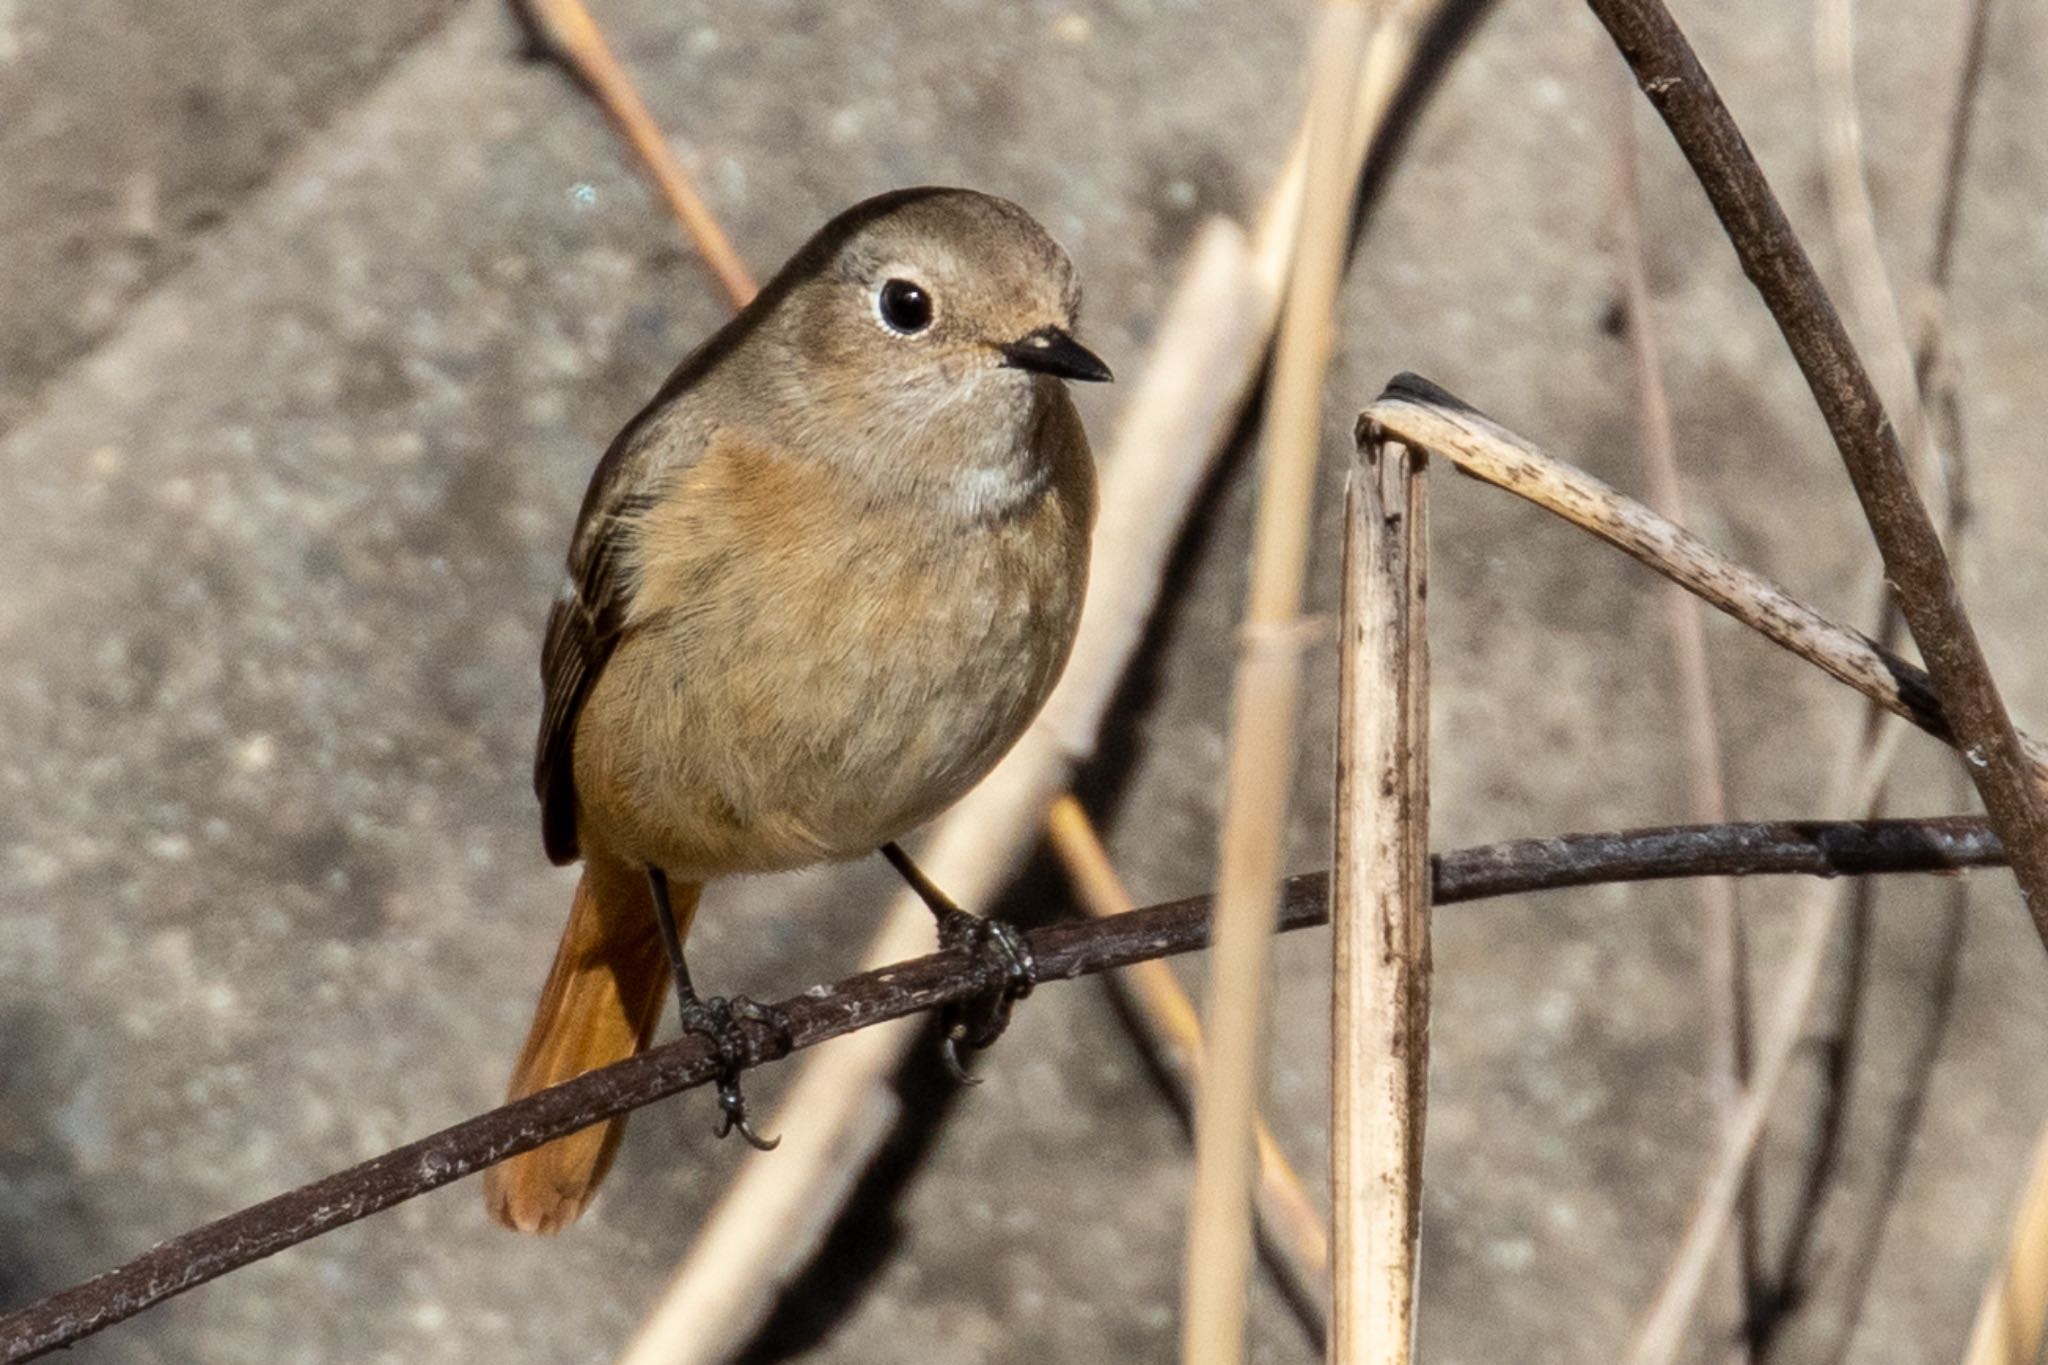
<point x="1860" y="1258"/>
<point x="1670" y="74"/>
<point x="1934" y="379"/>
<point x="1788" y="1290"/>
<point x="1063" y="952"/>
<point x="1724" y="948"/>
<point x="1961" y="120"/>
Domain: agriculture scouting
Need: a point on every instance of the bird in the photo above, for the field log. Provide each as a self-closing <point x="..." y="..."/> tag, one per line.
<point x="817" y="587"/>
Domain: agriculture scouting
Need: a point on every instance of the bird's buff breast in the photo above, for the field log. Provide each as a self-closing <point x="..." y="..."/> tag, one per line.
<point x="831" y="677"/>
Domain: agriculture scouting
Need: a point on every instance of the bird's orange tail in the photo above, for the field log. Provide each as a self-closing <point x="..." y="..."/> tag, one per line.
<point x="602" y="999"/>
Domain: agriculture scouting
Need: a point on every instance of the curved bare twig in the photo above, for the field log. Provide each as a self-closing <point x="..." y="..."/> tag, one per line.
<point x="1063" y="952"/>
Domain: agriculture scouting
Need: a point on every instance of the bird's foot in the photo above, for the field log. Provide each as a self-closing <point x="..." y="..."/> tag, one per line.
<point x="720" y="1019"/>
<point x="1004" y="963"/>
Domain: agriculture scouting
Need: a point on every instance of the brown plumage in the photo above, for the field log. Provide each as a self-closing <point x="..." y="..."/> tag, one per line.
<point x="817" y="588"/>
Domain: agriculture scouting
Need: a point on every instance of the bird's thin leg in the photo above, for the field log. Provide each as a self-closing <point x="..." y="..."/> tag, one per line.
<point x="717" y="1019"/>
<point x="996" y="947"/>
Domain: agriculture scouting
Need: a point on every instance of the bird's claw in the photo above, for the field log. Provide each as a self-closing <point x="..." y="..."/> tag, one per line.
<point x="719" y="1019"/>
<point x="1008" y="972"/>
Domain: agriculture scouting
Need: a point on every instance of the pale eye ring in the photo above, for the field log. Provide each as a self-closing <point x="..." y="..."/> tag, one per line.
<point x="903" y="306"/>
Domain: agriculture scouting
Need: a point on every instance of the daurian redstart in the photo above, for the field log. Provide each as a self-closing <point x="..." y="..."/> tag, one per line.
<point x="818" y="586"/>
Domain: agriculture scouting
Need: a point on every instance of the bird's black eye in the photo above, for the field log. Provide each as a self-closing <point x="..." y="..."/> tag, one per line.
<point x="904" y="306"/>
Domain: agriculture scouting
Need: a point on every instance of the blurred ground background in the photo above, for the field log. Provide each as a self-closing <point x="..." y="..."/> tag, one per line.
<point x="312" y="322"/>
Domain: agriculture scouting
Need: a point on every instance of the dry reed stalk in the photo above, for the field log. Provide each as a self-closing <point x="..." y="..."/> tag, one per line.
<point x="1292" y="1232"/>
<point x="2008" y="1326"/>
<point x="1261" y="759"/>
<point x="1724" y="957"/>
<point x="838" y="1110"/>
<point x="1420" y="413"/>
<point x="1379" y="910"/>
<point x="1859" y="775"/>
<point x="564" y="30"/>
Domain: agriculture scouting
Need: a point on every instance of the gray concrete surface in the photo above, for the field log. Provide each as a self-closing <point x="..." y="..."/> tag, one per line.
<point x="129" y="131"/>
<point x="279" y="519"/>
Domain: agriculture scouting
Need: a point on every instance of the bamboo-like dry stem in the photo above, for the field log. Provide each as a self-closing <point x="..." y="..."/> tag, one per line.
<point x="1420" y="413"/>
<point x="1261" y="760"/>
<point x="1292" y="1232"/>
<point x="1379" y="911"/>
<point x="565" y="32"/>
<point x="1914" y="563"/>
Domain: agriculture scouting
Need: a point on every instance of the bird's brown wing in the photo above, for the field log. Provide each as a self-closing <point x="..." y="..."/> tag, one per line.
<point x="584" y="626"/>
<point x="587" y="618"/>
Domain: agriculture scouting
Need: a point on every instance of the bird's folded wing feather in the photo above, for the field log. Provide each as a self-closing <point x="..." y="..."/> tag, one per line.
<point x="590" y="614"/>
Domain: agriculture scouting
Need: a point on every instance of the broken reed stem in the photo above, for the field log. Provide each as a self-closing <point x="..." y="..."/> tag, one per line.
<point x="564" y="32"/>
<point x="1724" y="957"/>
<point x="861" y="1003"/>
<point x="1261" y="761"/>
<point x="1420" y="413"/>
<point x="1379" y="910"/>
<point x="1914" y="563"/>
<point x="1292" y="1233"/>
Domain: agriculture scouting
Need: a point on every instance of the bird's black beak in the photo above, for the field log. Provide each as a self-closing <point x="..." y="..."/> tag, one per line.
<point x="1049" y="350"/>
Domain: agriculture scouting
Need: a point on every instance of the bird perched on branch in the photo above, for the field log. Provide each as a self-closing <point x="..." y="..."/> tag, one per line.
<point x="818" y="586"/>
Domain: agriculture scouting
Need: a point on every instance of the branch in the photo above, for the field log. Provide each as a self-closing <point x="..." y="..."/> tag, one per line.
<point x="1063" y="952"/>
<point x="1914" y="563"/>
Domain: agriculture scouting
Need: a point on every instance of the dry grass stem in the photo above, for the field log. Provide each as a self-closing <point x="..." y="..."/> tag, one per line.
<point x="1724" y="958"/>
<point x="1915" y="565"/>
<point x="840" y="1108"/>
<point x="565" y="30"/>
<point x="1379" y="910"/>
<point x="1853" y="220"/>
<point x="1261" y="760"/>
<point x="1416" y="411"/>
<point x="1292" y="1231"/>
<point x="2008" y="1326"/>
<point x="1923" y="390"/>
<point x="1859" y="775"/>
